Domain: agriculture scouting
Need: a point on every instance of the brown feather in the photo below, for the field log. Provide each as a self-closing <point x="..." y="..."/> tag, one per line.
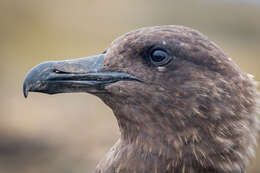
<point x="197" y="114"/>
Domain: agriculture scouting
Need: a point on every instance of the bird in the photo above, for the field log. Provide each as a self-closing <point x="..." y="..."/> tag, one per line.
<point x="182" y="105"/>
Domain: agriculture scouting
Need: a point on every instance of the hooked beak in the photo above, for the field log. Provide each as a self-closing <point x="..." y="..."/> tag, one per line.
<point x="77" y="75"/>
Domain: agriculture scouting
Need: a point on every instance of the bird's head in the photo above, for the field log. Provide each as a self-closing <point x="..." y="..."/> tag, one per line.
<point x="169" y="83"/>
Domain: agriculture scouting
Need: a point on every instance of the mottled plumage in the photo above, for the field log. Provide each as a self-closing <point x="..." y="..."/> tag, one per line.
<point x="193" y="114"/>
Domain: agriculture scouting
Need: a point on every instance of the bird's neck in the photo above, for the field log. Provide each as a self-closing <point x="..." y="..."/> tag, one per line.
<point x="136" y="157"/>
<point x="146" y="146"/>
<point x="172" y="143"/>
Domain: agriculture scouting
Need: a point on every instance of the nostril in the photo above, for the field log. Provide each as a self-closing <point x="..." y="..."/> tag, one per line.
<point x="56" y="71"/>
<point x="60" y="72"/>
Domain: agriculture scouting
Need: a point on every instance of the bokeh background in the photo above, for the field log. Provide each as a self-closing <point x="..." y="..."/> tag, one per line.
<point x="71" y="132"/>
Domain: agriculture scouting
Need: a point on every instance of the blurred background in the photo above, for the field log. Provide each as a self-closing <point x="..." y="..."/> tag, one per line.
<point x="72" y="132"/>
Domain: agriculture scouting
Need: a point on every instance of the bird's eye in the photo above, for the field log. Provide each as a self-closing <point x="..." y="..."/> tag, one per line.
<point x="159" y="57"/>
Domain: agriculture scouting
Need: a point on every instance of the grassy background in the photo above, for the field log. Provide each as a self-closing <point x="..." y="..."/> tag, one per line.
<point x="71" y="132"/>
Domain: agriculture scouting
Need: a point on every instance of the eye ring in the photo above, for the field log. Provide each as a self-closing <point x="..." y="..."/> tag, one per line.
<point x="159" y="57"/>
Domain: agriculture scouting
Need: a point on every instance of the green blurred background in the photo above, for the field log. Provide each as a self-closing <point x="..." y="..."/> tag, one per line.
<point x="71" y="132"/>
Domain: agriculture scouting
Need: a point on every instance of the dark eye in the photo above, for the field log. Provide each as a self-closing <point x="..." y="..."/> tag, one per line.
<point x="159" y="57"/>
